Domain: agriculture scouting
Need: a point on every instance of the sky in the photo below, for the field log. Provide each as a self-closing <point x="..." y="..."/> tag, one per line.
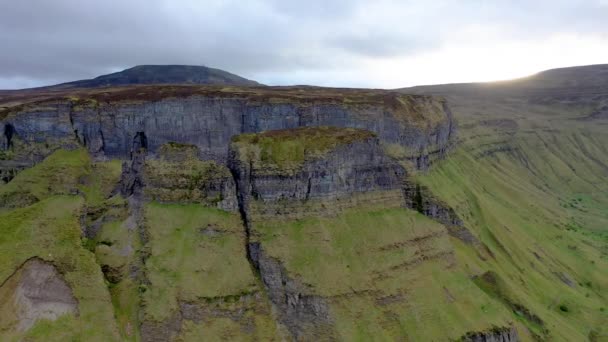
<point x="346" y="43"/>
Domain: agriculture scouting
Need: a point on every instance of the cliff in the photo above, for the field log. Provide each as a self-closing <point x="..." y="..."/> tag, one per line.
<point x="286" y="178"/>
<point x="312" y="171"/>
<point x="107" y="122"/>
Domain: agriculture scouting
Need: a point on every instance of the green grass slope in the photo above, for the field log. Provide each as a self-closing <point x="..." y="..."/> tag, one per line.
<point x="51" y="198"/>
<point x="197" y="257"/>
<point x="387" y="274"/>
<point x="539" y="200"/>
<point x="530" y="179"/>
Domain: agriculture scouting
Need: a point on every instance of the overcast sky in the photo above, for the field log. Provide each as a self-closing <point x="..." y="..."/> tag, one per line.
<point x="357" y="43"/>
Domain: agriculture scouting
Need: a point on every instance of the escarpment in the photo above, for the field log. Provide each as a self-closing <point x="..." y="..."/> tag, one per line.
<point x="176" y="213"/>
<point x="314" y="184"/>
<point x="420" y="128"/>
<point x="304" y="172"/>
<point x="312" y="171"/>
<point x="276" y="214"/>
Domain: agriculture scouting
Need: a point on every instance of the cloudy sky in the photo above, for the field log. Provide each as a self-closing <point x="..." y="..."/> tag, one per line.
<point x="358" y="43"/>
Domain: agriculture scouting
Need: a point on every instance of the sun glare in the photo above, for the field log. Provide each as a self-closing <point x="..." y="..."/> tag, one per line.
<point x="489" y="61"/>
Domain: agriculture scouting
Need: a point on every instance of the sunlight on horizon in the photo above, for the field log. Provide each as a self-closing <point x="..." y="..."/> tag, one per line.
<point x="487" y="58"/>
<point x="494" y="61"/>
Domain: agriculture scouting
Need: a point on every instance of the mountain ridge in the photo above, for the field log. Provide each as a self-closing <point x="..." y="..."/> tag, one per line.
<point x="147" y="74"/>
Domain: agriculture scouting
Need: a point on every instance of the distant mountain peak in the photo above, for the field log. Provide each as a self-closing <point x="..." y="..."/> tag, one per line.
<point x="163" y="74"/>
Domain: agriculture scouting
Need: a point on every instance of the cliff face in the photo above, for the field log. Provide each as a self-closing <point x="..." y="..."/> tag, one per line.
<point x="312" y="171"/>
<point x="419" y="128"/>
<point x="178" y="176"/>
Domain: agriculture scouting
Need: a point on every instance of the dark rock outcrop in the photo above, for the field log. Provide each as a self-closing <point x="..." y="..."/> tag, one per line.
<point x="132" y="177"/>
<point x="305" y="315"/>
<point x="498" y="334"/>
<point x="9" y="169"/>
<point x="419" y="198"/>
<point x="9" y="131"/>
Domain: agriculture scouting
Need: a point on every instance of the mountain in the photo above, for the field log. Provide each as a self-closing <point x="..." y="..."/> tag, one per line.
<point x="162" y="74"/>
<point x="584" y="89"/>
<point x="189" y="212"/>
<point x="582" y="79"/>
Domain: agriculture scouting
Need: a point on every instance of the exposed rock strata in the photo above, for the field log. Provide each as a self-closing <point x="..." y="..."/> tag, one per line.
<point x="421" y="125"/>
<point x="356" y="170"/>
<point x="177" y="148"/>
<point x="347" y="175"/>
<point x="499" y="334"/>
<point x="419" y="198"/>
<point x="306" y="315"/>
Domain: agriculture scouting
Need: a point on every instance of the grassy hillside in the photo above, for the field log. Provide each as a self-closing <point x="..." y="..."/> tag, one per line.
<point x="197" y="258"/>
<point x="539" y="200"/>
<point x="48" y="226"/>
<point x="388" y="274"/>
<point x="530" y="179"/>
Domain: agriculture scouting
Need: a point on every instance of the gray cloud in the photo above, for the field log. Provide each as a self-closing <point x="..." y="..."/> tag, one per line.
<point x="47" y="42"/>
<point x="381" y="44"/>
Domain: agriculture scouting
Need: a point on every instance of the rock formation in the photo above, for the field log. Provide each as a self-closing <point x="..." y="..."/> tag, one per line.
<point x="34" y="292"/>
<point x="498" y="334"/>
<point x="418" y="128"/>
<point x="333" y="166"/>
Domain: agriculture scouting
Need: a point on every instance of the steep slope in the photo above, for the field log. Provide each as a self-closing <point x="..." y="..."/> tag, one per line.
<point x="338" y="252"/>
<point x="530" y="179"/>
<point x="50" y="230"/>
<point x="539" y="204"/>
